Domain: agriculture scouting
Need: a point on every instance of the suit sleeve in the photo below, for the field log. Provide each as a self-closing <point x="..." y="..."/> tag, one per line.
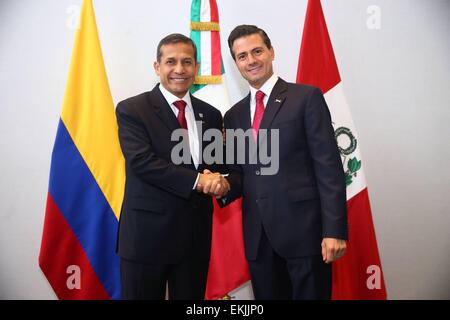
<point x="327" y="166"/>
<point x="140" y="157"/>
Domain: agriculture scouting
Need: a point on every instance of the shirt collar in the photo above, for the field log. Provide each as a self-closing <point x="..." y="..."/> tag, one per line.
<point x="171" y="98"/>
<point x="266" y="88"/>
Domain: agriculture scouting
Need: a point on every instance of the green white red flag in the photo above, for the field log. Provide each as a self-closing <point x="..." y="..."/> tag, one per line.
<point x="228" y="269"/>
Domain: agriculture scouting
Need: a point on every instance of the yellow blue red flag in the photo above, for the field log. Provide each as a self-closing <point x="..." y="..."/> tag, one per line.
<point x="87" y="179"/>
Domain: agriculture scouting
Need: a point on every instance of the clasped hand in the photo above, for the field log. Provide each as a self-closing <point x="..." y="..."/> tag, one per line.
<point x="213" y="184"/>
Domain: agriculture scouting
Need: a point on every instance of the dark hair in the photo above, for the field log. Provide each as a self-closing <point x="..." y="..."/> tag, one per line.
<point x="246" y="30"/>
<point x="173" y="39"/>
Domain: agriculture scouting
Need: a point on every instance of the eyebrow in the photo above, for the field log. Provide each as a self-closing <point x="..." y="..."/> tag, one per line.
<point x="245" y="52"/>
<point x="183" y="59"/>
<point x="257" y="48"/>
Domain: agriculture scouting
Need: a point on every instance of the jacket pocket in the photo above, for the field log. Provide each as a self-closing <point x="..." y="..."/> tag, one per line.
<point x="302" y="194"/>
<point x="285" y="123"/>
<point x="147" y="204"/>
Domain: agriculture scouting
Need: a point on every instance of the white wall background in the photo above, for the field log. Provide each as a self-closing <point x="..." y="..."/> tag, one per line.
<point x="396" y="79"/>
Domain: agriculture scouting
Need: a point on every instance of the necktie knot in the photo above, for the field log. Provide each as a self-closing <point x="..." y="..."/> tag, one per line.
<point x="260" y="96"/>
<point x="180" y="105"/>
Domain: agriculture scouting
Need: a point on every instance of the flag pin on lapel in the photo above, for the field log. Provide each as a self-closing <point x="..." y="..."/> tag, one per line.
<point x="200" y="115"/>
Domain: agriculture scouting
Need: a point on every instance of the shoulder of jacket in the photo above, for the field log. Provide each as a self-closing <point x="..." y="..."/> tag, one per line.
<point x="205" y="107"/>
<point x="134" y="102"/>
<point x="237" y="107"/>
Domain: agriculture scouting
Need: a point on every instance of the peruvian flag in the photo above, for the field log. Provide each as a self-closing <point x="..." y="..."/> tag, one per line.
<point x="358" y="275"/>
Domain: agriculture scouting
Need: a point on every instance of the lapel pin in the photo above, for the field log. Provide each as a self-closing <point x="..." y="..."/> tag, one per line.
<point x="278" y="100"/>
<point x="200" y="115"/>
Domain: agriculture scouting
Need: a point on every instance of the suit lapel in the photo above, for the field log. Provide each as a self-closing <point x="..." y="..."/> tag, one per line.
<point x="202" y="125"/>
<point x="246" y="120"/>
<point x="199" y="115"/>
<point x="274" y="103"/>
<point x="163" y="109"/>
<point x="246" y="125"/>
<point x="165" y="113"/>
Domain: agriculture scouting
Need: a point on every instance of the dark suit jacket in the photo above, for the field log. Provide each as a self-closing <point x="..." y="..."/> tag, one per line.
<point x="306" y="200"/>
<point x="161" y="215"/>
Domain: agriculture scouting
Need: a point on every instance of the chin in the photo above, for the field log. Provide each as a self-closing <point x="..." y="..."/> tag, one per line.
<point x="255" y="78"/>
<point x="180" y="89"/>
<point x="255" y="81"/>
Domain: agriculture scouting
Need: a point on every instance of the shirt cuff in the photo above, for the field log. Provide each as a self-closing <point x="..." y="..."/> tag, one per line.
<point x="196" y="181"/>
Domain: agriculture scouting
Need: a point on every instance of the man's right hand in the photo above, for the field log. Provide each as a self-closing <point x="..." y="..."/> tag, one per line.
<point x="213" y="184"/>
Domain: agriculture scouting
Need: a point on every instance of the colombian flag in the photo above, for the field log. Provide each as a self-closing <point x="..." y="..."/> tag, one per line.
<point x="87" y="179"/>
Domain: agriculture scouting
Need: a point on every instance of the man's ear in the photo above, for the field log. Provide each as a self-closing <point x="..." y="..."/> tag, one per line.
<point x="272" y="53"/>
<point x="156" y="67"/>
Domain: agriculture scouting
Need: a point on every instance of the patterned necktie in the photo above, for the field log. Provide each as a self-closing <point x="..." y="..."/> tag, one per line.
<point x="259" y="112"/>
<point x="181" y="106"/>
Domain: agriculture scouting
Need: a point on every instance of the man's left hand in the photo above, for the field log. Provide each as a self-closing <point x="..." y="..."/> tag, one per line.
<point x="333" y="249"/>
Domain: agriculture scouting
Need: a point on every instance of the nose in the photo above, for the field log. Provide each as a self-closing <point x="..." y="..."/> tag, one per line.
<point x="179" y="69"/>
<point x="251" y="60"/>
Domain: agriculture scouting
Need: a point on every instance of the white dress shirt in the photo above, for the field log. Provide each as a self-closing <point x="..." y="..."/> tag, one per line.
<point x="267" y="89"/>
<point x="190" y="119"/>
<point x="194" y="144"/>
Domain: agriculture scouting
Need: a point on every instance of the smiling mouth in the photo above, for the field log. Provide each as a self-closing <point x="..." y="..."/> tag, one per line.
<point x="179" y="80"/>
<point x="253" y="70"/>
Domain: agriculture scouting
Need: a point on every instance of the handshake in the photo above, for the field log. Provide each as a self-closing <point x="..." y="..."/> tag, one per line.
<point x="213" y="184"/>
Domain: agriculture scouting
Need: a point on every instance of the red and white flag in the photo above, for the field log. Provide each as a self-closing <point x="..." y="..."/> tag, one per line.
<point x="358" y="275"/>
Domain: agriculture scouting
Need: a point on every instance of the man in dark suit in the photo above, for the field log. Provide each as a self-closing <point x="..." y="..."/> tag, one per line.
<point x="295" y="219"/>
<point x="166" y="222"/>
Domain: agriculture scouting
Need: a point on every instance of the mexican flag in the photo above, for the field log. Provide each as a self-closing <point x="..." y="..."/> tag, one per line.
<point x="358" y="275"/>
<point x="228" y="275"/>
